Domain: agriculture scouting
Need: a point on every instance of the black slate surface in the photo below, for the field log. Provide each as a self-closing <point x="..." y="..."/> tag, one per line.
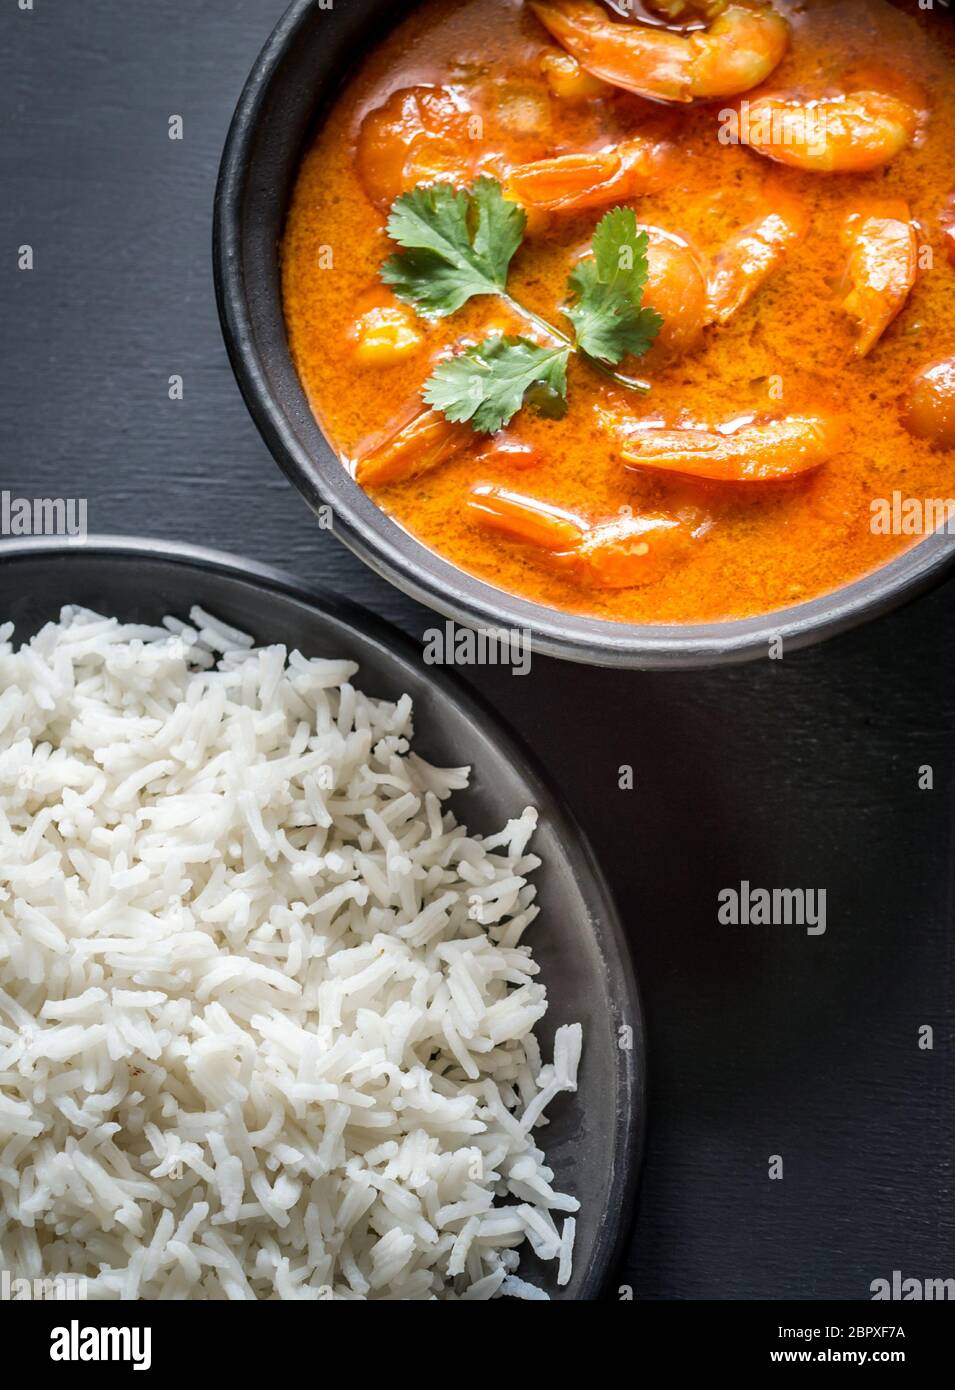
<point x="799" y="772"/>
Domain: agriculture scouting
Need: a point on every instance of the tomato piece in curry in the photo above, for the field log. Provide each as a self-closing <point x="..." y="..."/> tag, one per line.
<point x="799" y="227"/>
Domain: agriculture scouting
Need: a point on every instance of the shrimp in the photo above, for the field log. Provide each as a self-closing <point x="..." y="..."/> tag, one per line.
<point x="741" y="451"/>
<point x="425" y="441"/>
<point x="428" y="134"/>
<point x="676" y="288"/>
<point x="930" y="407"/>
<point x="524" y="519"/>
<point x="689" y="294"/>
<point x="739" y="50"/>
<point x="851" y="133"/>
<point x="419" y="133"/>
<point x="744" y="263"/>
<point x="615" y="554"/>
<point x="882" y="266"/>
<point x="571" y="181"/>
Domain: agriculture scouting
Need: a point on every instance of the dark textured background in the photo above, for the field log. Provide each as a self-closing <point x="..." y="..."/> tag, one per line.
<point x="801" y="772"/>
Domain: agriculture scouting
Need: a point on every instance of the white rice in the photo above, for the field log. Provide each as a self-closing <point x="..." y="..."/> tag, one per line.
<point x="266" y="1011"/>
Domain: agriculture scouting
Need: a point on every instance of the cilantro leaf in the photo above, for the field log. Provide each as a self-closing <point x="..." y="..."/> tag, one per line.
<point x="546" y="400"/>
<point x="607" y="292"/>
<point x="458" y="243"/>
<point x="486" y="383"/>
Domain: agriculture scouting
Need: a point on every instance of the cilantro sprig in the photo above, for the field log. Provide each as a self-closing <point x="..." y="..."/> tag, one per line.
<point x="459" y="243"/>
<point x="607" y="311"/>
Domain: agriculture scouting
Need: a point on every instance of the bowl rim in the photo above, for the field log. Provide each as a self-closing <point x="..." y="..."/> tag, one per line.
<point x="612" y="1237"/>
<point x="407" y="562"/>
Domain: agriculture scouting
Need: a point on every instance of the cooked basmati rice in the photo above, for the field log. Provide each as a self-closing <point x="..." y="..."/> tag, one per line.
<point x="266" y="1011"/>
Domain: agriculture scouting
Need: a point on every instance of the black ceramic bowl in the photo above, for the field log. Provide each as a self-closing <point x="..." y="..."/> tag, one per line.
<point x="295" y="79"/>
<point x="594" y="1139"/>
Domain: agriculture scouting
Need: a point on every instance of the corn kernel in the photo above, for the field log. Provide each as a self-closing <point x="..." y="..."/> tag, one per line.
<point x="384" y="335"/>
<point x="568" y="80"/>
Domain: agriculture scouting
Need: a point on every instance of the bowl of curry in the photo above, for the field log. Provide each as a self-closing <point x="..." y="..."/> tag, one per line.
<point x="628" y="325"/>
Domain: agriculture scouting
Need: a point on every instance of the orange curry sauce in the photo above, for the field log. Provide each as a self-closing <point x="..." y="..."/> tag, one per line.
<point x="755" y="546"/>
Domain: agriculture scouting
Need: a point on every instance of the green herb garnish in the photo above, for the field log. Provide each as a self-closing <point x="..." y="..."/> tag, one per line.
<point x="486" y="384"/>
<point x="607" y="311"/>
<point x="458" y="243"/>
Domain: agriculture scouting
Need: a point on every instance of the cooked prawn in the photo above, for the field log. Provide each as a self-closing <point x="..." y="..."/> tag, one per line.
<point x="745" y="262"/>
<point x="689" y="292"/>
<point x="630" y="550"/>
<point x="739" y="50"/>
<point x="524" y="519"/>
<point x="427" y="134"/>
<point x="615" y="554"/>
<point x="426" y="440"/>
<point x="850" y="133"/>
<point x="419" y="133"/>
<point x="741" y="451"/>
<point x="676" y="288"/>
<point x="930" y="406"/>
<point x="882" y="267"/>
<point x="571" y="181"/>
